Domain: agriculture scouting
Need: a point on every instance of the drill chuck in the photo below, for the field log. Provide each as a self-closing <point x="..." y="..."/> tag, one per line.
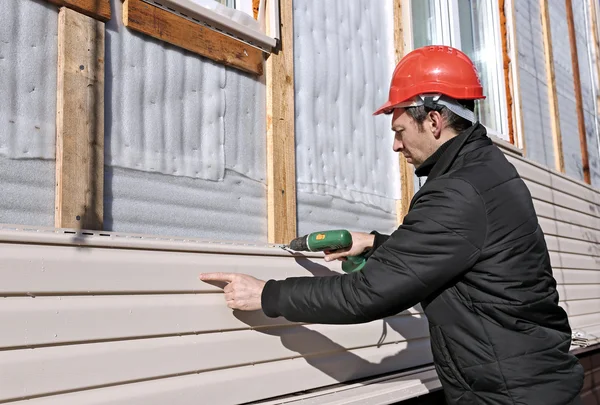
<point x="299" y="244"/>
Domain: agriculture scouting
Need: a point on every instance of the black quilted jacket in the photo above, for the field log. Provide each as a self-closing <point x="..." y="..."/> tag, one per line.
<point x="472" y="253"/>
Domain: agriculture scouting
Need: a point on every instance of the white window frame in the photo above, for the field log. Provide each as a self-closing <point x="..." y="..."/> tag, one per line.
<point x="268" y="18"/>
<point x="449" y="32"/>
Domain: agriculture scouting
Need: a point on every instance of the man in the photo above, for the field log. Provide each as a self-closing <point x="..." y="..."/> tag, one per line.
<point x="470" y="251"/>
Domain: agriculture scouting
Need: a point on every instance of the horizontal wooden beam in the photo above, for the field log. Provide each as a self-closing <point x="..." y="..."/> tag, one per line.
<point x="98" y="9"/>
<point x="181" y="32"/>
<point x="80" y="122"/>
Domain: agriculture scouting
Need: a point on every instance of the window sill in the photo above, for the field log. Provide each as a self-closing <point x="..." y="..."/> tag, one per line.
<point x="192" y="36"/>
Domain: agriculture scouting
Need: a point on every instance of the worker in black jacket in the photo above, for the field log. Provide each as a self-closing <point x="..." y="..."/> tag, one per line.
<point x="470" y="250"/>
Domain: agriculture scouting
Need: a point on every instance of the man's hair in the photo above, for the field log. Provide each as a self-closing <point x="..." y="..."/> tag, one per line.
<point x="452" y="120"/>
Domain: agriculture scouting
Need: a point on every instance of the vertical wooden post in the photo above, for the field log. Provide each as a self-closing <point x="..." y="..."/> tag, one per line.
<point x="506" y="64"/>
<point x="515" y="81"/>
<point x="406" y="171"/>
<point x="578" y="96"/>
<point x="79" y="122"/>
<point x="552" y="97"/>
<point x="596" y="40"/>
<point x="281" y="145"/>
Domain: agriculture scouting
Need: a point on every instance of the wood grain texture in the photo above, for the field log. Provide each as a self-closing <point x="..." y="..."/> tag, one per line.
<point x="406" y="170"/>
<point x="79" y="201"/>
<point x="507" y="66"/>
<point x="281" y="145"/>
<point x="559" y="162"/>
<point x="596" y="39"/>
<point x="178" y="31"/>
<point x="578" y="97"/>
<point x="98" y="9"/>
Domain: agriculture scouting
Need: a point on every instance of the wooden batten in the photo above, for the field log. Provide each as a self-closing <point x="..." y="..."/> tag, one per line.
<point x="181" y="32"/>
<point x="79" y="122"/>
<point x="407" y="187"/>
<point x="506" y="67"/>
<point x="578" y="97"/>
<point x="559" y="161"/>
<point x="281" y="145"/>
<point x="98" y="9"/>
<point x="596" y="39"/>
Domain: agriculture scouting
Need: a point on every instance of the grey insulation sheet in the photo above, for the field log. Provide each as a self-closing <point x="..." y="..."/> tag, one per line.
<point x="28" y="57"/>
<point x="589" y="80"/>
<point x="347" y="173"/>
<point x="533" y="83"/>
<point x="563" y="70"/>
<point x="185" y="142"/>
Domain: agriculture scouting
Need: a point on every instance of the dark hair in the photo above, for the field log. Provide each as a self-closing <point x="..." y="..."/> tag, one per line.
<point x="452" y="120"/>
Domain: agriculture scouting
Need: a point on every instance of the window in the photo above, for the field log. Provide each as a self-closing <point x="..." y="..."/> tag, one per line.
<point x="237" y="33"/>
<point x="235" y="18"/>
<point x="472" y="26"/>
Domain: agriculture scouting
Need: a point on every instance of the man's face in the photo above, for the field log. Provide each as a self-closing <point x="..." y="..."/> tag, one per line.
<point x="415" y="144"/>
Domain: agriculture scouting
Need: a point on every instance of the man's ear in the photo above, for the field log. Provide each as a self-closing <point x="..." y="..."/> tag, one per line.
<point x="435" y="123"/>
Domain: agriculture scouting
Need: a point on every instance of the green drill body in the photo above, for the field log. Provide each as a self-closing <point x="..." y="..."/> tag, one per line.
<point x="329" y="240"/>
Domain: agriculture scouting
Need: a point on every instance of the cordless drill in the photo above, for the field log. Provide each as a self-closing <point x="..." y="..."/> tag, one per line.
<point x="329" y="240"/>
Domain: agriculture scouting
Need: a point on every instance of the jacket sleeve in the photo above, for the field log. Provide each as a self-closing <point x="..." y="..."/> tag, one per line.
<point x="440" y="239"/>
<point x="379" y="240"/>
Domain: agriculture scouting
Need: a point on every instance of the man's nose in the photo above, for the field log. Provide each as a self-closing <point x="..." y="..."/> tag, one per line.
<point x="398" y="146"/>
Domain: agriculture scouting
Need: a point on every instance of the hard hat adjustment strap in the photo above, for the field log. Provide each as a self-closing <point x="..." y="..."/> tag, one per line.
<point x="428" y="102"/>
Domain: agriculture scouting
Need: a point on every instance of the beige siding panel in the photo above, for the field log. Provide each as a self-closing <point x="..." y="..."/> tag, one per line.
<point x="47" y="370"/>
<point x="57" y="320"/>
<point x="542" y="175"/>
<point x="566" y="245"/>
<point x="581" y="307"/>
<point x="581" y="321"/>
<point x="571" y="276"/>
<point x="566" y="215"/>
<point x="556" y="197"/>
<point x="573" y="261"/>
<point x="555" y="228"/>
<point x="568" y="292"/>
<point x="251" y="382"/>
<point x="530" y="171"/>
<point x="72" y="270"/>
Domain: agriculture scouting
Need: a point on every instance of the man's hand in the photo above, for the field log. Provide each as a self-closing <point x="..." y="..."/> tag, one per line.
<point x="360" y="242"/>
<point x="241" y="292"/>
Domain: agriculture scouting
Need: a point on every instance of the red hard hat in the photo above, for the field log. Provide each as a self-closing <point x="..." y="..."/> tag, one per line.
<point x="433" y="70"/>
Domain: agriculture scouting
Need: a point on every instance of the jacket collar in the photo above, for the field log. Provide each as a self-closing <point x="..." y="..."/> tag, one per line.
<point x="443" y="158"/>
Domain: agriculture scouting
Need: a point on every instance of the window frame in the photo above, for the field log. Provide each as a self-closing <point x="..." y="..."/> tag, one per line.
<point x="266" y="40"/>
<point x="447" y="11"/>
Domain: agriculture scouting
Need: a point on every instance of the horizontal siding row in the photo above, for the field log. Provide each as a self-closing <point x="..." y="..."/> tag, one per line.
<point x="569" y="214"/>
<point x="120" y="323"/>
<point x="113" y="325"/>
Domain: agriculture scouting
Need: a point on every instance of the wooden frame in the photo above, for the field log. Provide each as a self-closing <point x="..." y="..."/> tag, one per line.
<point x="596" y="40"/>
<point x="578" y="97"/>
<point x="506" y="65"/>
<point x="407" y="186"/>
<point x="281" y="144"/>
<point x="179" y="31"/>
<point x="98" y="9"/>
<point x="559" y="161"/>
<point x="79" y="122"/>
<point x="514" y="80"/>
